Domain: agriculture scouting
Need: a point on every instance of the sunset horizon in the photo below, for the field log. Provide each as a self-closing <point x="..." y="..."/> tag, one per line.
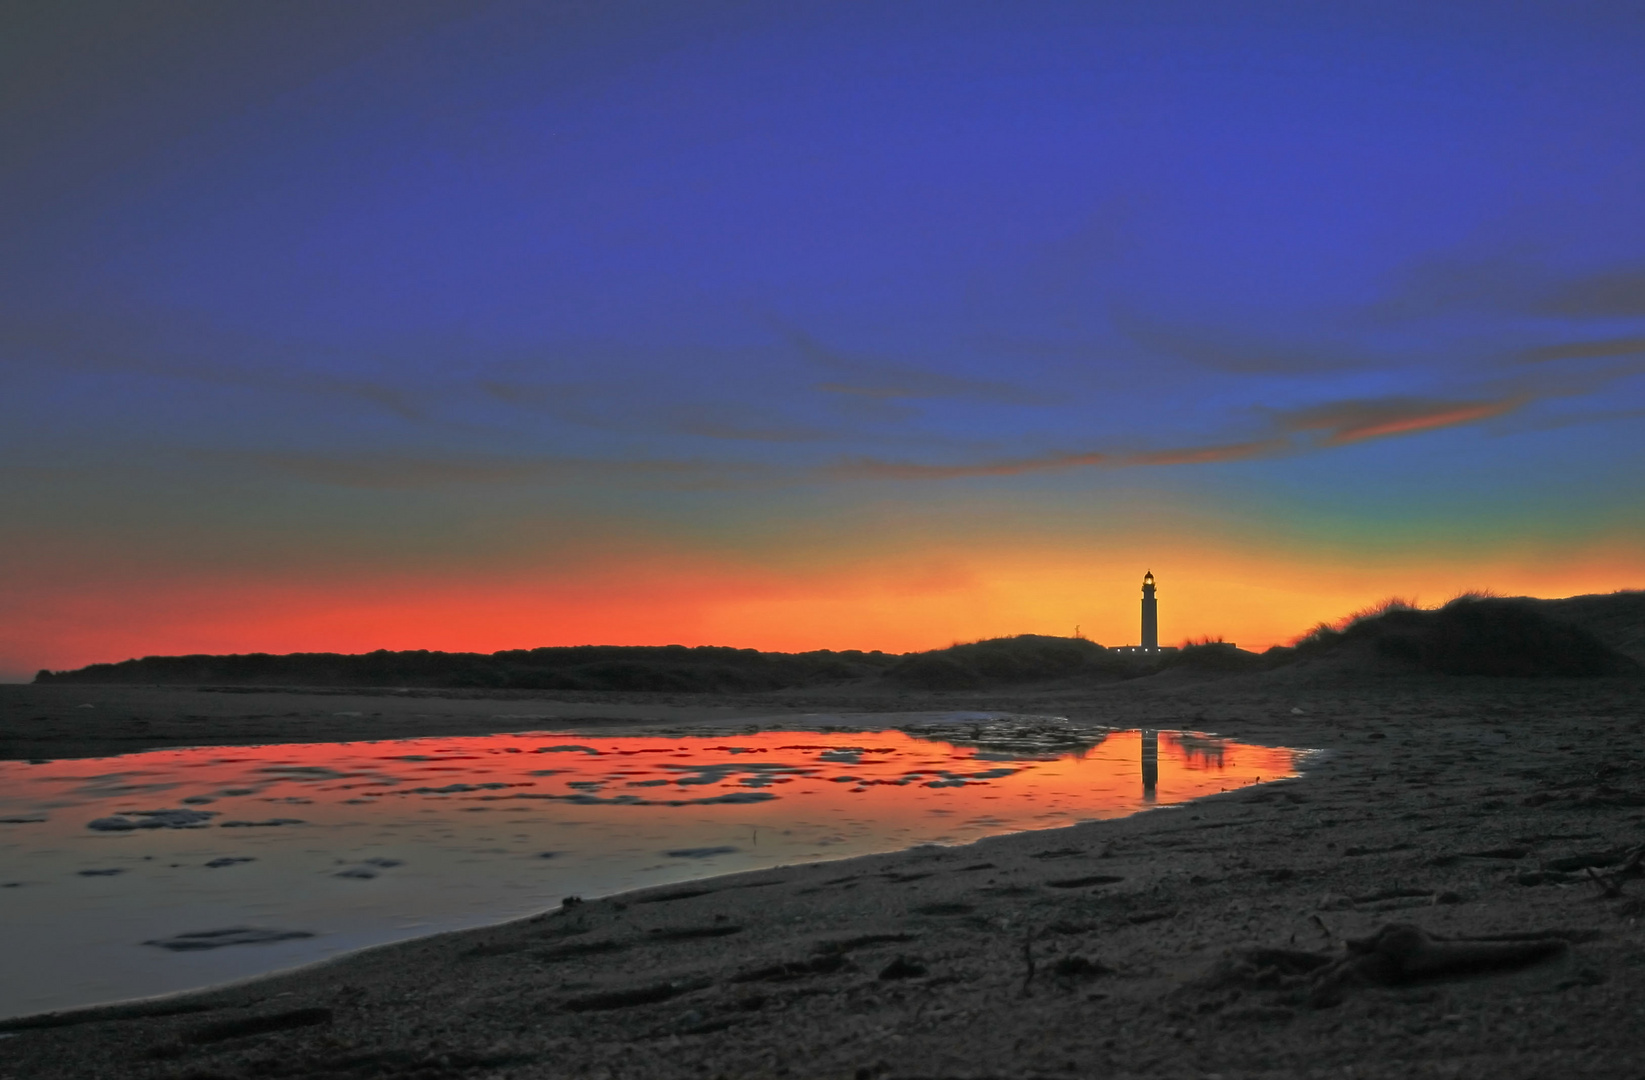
<point x="467" y="327"/>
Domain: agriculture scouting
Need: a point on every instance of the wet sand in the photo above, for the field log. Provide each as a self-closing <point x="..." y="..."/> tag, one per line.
<point x="1201" y="941"/>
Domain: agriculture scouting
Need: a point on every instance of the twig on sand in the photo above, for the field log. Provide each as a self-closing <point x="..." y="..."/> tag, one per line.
<point x="1028" y="959"/>
<point x="1610" y="884"/>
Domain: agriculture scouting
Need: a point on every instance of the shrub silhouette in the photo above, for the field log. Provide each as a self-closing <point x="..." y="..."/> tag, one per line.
<point x="1021" y="659"/>
<point x="1473" y="634"/>
<point x="1212" y="657"/>
<point x="664" y="668"/>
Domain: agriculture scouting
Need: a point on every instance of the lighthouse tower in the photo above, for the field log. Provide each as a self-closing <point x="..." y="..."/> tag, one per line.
<point x="1150" y="613"/>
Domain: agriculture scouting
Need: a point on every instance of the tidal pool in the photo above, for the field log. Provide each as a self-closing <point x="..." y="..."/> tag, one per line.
<point x="147" y="873"/>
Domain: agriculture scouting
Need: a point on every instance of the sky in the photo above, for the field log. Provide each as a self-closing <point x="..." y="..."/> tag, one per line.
<point x="483" y="325"/>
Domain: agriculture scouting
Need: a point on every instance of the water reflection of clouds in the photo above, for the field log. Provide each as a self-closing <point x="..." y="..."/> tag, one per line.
<point x="761" y="775"/>
<point x="455" y="789"/>
<point x="623" y="799"/>
<point x="113" y="785"/>
<point x="931" y="765"/>
<point x="306" y="772"/>
<point x="586" y="799"/>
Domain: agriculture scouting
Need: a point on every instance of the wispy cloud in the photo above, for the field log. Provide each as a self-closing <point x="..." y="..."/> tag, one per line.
<point x="1342" y="422"/>
<point x="613" y="409"/>
<point x="1509" y="282"/>
<point x="534" y="396"/>
<point x="412" y="471"/>
<point x="1335" y="424"/>
<point x="1192" y="455"/>
<point x="1600" y="349"/>
<point x="878" y="393"/>
<point x="141" y="348"/>
<point x="1620" y="293"/>
<point x="876" y="468"/>
<point x="1236" y="354"/>
<point x="1460" y="281"/>
<point x="1573" y="419"/>
<point x="1207" y="455"/>
<point x="385" y="471"/>
<point x="881" y="380"/>
<point x="711" y="420"/>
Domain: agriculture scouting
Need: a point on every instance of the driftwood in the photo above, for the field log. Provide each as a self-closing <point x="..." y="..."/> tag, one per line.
<point x="1398" y="954"/>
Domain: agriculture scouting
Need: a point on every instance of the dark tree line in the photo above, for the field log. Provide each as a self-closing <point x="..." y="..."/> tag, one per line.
<point x="1470" y="636"/>
<point x="675" y="668"/>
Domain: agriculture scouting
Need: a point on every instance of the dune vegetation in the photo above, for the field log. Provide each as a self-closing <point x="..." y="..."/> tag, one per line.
<point x="659" y="668"/>
<point x="1473" y="634"/>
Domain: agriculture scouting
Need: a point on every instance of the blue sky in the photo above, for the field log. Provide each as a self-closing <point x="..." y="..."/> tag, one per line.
<point x="429" y="294"/>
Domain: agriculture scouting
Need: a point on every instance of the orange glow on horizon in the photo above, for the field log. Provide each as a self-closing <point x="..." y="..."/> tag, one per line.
<point x="900" y="602"/>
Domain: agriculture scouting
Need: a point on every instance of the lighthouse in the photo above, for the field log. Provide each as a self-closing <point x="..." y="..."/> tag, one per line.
<point x="1150" y="646"/>
<point x="1150" y="613"/>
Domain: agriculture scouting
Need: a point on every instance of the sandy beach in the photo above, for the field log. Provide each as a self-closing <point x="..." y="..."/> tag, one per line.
<point x="1236" y="937"/>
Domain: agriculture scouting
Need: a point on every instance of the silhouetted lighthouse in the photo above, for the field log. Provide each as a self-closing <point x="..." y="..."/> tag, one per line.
<point x="1150" y="613"/>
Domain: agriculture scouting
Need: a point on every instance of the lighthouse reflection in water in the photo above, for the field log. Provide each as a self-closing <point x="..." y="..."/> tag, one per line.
<point x="123" y="876"/>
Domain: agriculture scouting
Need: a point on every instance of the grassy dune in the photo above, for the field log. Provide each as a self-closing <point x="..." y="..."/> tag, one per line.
<point x="1471" y="635"/>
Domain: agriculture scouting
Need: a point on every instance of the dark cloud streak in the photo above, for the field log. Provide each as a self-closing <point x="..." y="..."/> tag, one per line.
<point x="1619" y="294"/>
<point x="884" y="380"/>
<point x="1603" y="348"/>
<point x="123" y="349"/>
<point x="388" y="471"/>
<point x="1511" y="283"/>
<point x="1341" y="422"/>
<point x="875" y="468"/>
<point x="611" y="410"/>
<point x="1334" y="424"/>
<point x="1231" y="353"/>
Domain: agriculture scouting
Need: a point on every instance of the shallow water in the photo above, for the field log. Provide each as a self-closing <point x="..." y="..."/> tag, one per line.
<point x="173" y="869"/>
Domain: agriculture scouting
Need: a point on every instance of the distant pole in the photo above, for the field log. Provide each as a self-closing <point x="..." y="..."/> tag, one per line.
<point x="1150" y="613"/>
